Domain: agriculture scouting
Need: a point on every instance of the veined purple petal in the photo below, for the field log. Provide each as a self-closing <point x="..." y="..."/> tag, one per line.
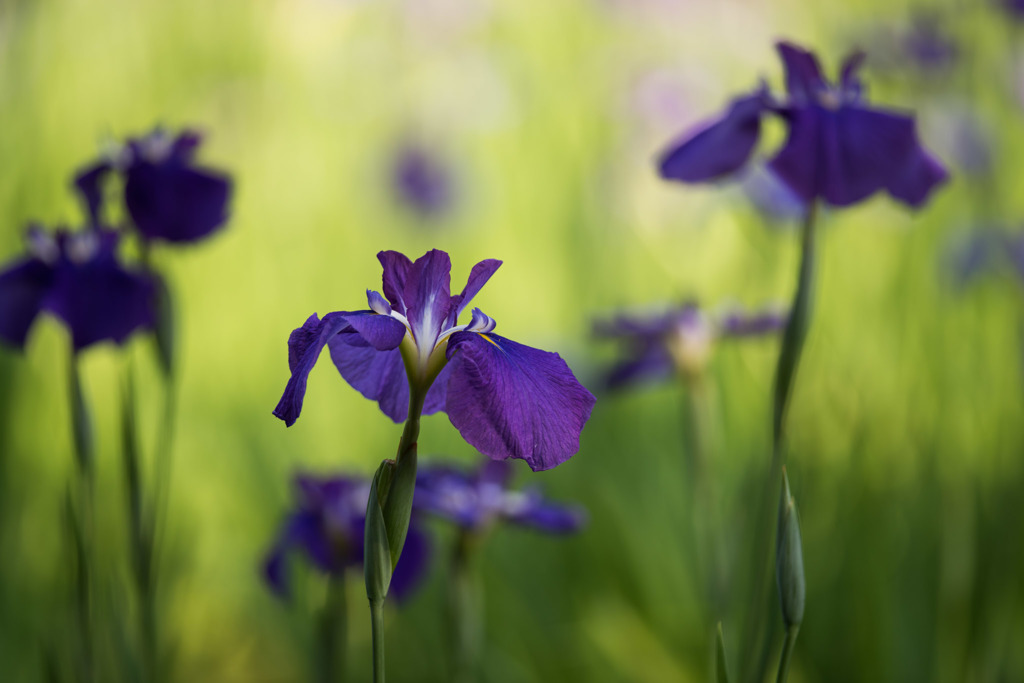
<point x="719" y="148"/>
<point x="513" y="401"/>
<point x="173" y="202"/>
<point x="380" y="376"/>
<point x="427" y="296"/>
<point x="480" y="322"/>
<point x="396" y="268"/>
<point x="803" y="74"/>
<point x="478" y="277"/>
<point x="23" y="287"/>
<point x="377" y="303"/>
<point x="89" y="184"/>
<point x="348" y="328"/>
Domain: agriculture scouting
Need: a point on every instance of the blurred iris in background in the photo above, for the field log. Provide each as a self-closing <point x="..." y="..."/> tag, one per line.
<point x="477" y="500"/>
<point x="677" y="341"/>
<point x="987" y="251"/>
<point x="327" y="526"/>
<point x="77" y="277"/>
<point x="422" y="181"/>
<point x="838" y="149"/>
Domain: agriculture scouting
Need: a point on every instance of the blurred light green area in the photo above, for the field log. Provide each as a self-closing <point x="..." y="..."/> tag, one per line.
<point x="905" y="429"/>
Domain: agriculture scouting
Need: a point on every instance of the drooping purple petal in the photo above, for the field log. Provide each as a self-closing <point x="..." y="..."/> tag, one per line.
<point x="396" y="268"/>
<point x="427" y="296"/>
<point x="650" y="362"/>
<point x="804" y="79"/>
<point x="513" y="401"/>
<point x="718" y="149"/>
<point x="344" y="327"/>
<point x="741" y="324"/>
<point x="920" y="174"/>
<point x="380" y="376"/>
<point x="89" y="184"/>
<point x="549" y="517"/>
<point x="23" y="287"/>
<point x="173" y="202"/>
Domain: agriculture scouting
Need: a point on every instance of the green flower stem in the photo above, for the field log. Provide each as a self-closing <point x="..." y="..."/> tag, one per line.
<point x="785" y="372"/>
<point x="81" y="514"/>
<point x="464" y="606"/>
<point x="377" y="626"/>
<point x="334" y="633"/>
<point x="787" y="652"/>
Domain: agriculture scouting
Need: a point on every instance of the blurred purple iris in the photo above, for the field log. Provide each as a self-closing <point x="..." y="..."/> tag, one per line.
<point x="677" y="341"/>
<point x="75" y="276"/>
<point x="986" y="251"/>
<point x="1015" y="8"/>
<point x="838" y="149"/>
<point x="421" y="181"/>
<point x="506" y="399"/>
<point x="476" y="500"/>
<point x="327" y="525"/>
<point x="167" y="196"/>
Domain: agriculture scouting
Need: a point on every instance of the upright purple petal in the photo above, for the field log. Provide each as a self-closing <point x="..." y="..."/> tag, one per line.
<point x="89" y="184"/>
<point x="804" y="79"/>
<point x="306" y="342"/>
<point x="478" y="277"/>
<point x="173" y="202"/>
<point x="428" y="296"/>
<point x="396" y="268"/>
<point x="849" y="76"/>
<point x="718" y="149"/>
<point x="23" y="287"/>
<point x="513" y="401"/>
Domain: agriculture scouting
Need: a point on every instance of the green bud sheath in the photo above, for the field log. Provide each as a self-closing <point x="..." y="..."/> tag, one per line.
<point x="377" y="563"/>
<point x="789" y="562"/>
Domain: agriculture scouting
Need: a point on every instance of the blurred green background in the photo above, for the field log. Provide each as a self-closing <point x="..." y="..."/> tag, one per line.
<point x="905" y="430"/>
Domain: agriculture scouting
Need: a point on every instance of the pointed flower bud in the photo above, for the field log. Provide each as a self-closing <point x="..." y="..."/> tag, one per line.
<point x="789" y="561"/>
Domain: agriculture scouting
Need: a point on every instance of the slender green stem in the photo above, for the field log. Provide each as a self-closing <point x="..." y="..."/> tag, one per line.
<point x="789" y="358"/>
<point x="334" y="633"/>
<point x="80" y="511"/>
<point x="787" y="653"/>
<point x="466" y="629"/>
<point x="377" y="627"/>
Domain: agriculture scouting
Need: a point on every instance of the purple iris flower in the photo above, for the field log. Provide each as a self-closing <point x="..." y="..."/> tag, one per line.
<point x="476" y="500"/>
<point x="1015" y="8"/>
<point x="167" y="196"/>
<point x="677" y="341"/>
<point x="838" y="149"/>
<point x="327" y="525"/>
<point x="506" y="399"/>
<point x="75" y="276"/>
<point x="421" y="181"/>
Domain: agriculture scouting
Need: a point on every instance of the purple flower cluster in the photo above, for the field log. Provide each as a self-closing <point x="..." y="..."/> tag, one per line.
<point x="838" y="150"/>
<point x="327" y="526"/>
<point x="677" y="341"/>
<point x="507" y="400"/>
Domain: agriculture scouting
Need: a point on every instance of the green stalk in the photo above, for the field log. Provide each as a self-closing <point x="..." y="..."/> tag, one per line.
<point x="785" y="373"/>
<point x="377" y="626"/>
<point x="787" y="652"/>
<point x="334" y="633"/>
<point x="80" y="513"/>
<point x="464" y="611"/>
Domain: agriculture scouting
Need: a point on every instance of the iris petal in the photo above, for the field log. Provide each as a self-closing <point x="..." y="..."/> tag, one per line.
<point x="173" y="202"/>
<point x="550" y="517"/>
<point x="803" y="74"/>
<point x="513" y="401"/>
<point x="396" y="271"/>
<point x="346" y="328"/>
<point x="428" y="296"/>
<point x="23" y="287"/>
<point x="89" y="184"/>
<point x="919" y="175"/>
<point x="719" y="148"/>
<point x="478" y="277"/>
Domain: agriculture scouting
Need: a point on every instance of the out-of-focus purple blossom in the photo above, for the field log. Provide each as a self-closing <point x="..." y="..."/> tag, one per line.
<point x="166" y="194"/>
<point x="422" y="182"/>
<point x="677" y="341"/>
<point x="986" y="251"/>
<point x="76" y="277"/>
<point x="327" y="525"/>
<point x="927" y="45"/>
<point x="477" y="500"/>
<point x="1015" y="8"/>
<point x="506" y="399"/>
<point x="838" y="149"/>
<point x="771" y="196"/>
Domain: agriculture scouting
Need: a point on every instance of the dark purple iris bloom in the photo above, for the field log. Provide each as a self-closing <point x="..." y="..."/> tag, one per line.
<point x="166" y="194"/>
<point x="327" y="525"/>
<point x="75" y="276"/>
<point x="506" y="399"/>
<point x="838" y="149"/>
<point x="476" y="500"/>
<point x="421" y="181"/>
<point x="677" y="341"/>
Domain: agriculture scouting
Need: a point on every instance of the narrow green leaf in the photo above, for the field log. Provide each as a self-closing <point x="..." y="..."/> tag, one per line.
<point x="721" y="670"/>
